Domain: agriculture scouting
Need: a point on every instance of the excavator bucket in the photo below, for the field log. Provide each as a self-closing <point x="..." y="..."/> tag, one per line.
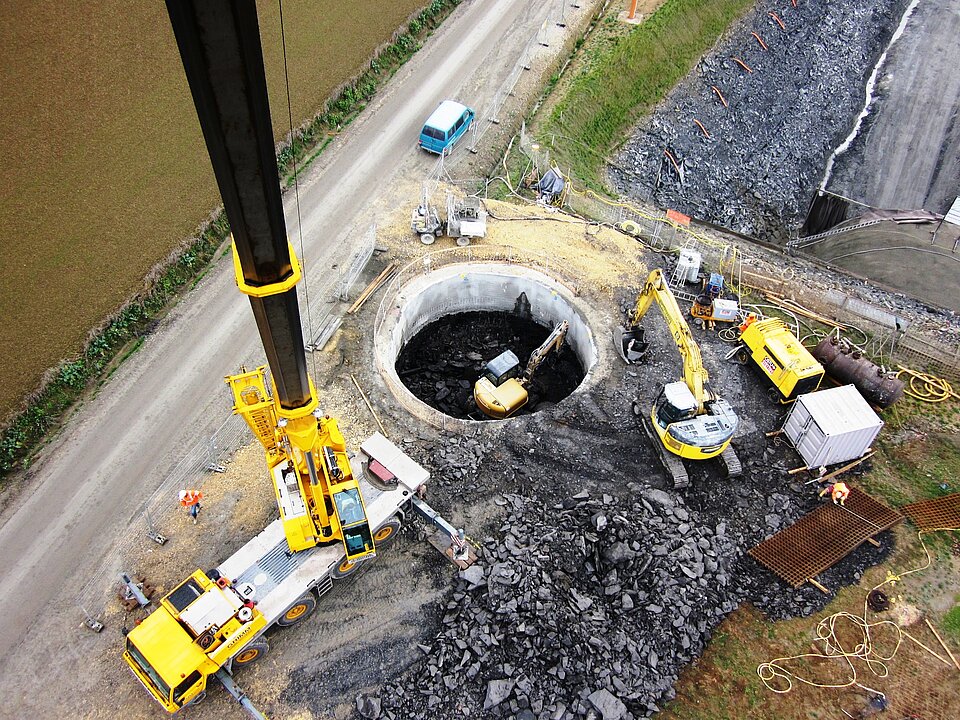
<point x="631" y="345"/>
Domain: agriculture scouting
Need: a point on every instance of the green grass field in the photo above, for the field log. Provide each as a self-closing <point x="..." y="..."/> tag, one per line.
<point x="104" y="170"/>
<point x="627" y="76"/>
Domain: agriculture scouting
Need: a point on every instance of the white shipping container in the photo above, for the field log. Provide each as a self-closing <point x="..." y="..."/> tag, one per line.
<point x="832" y="426"/>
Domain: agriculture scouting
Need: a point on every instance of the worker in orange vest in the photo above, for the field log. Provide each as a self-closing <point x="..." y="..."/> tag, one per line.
<point x="838" y="491"/>
<point x="191" y="499"/>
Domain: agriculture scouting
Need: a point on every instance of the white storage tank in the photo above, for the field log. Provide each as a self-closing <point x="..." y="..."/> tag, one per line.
<point x="832" y="426"/>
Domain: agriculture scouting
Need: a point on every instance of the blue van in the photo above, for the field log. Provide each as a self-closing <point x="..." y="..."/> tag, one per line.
<point x="447" y="124"/>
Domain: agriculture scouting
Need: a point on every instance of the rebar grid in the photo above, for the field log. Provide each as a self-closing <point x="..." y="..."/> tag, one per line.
<point x="937" y="514"/>
<point x="823" y="537"/>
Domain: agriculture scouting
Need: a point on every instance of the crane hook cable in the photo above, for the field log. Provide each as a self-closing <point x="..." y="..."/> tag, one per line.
<point x="296" y="181"/>
<point x="865" y="650"/>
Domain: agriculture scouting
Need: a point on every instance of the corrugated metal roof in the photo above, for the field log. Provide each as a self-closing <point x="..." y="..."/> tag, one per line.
<point x="953" y="214"/>
<point x="840" y="410"/>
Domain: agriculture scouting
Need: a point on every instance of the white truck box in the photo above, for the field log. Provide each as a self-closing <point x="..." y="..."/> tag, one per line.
<point x="831" y="426"/>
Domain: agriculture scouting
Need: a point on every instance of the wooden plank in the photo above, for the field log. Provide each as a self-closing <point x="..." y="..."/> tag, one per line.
<point x="371" y="288"/>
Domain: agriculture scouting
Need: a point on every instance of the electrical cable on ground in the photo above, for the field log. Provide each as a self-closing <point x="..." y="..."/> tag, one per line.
<point x="774" y="672"/>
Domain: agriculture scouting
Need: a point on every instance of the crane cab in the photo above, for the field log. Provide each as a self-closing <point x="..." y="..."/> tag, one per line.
<point x="686" y="433"/>
<point x="196" y="630"/>
<point x="499" y="393"/>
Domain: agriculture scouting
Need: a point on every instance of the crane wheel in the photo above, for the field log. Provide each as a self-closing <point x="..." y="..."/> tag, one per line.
<point x="427" y="238"/>
<point x="299" y="611"/>
<point x="252" y="652"/>
<point x="345" y="568"/>
<point x="386" y="532"/>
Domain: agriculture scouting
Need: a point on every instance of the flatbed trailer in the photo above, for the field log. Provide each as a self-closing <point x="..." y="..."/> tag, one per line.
<point x="184" y="642"/>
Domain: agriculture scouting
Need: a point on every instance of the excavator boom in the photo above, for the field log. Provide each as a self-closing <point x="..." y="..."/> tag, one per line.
<point x="687" y="418"/>
<point x="695" y="375"/>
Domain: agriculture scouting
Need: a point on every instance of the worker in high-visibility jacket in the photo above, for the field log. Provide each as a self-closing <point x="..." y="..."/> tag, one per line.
<point x="838" y="491"/>
<point x="191" y="499"/>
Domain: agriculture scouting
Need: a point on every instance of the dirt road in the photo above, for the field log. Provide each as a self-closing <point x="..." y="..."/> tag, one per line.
<point x="88" y="485"/>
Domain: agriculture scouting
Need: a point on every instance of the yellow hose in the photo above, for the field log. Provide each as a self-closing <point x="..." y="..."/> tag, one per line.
<point x="779" y="679"/>
<point x="924" y="387"/>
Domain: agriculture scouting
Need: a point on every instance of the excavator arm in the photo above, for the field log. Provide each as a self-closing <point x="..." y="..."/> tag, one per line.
<point x="553" y="342"/>
<point x="695" y="375"/>
<point x="688" y="419"/>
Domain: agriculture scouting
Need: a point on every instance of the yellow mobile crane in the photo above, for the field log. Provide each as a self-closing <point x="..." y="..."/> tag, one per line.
<point x="334" y="507"/>
<point x="687" y="419"/>
<point x="499" y="393"/>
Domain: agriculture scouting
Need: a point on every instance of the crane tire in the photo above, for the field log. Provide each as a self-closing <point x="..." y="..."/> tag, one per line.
<point x="299" y="611"/>
<point x="385" y="534"/>
<point x="251" y="653"/>
<point x="345" y="569"/>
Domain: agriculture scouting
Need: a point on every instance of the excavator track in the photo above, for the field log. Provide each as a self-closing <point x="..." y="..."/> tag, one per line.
<point x="671" y="463"/>
<point x="731" y="462"/>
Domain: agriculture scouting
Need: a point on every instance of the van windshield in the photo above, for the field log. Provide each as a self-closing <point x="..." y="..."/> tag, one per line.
<point x="434" y="133"/>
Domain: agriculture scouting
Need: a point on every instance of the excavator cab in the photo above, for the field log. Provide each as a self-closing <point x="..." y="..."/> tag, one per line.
<point x="674" y="404"/>
<point x="686" y="433"/>
<point x="498" y="393"/>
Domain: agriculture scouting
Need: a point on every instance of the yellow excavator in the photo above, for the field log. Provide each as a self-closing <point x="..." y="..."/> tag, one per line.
<point x="501" y="391"/>
<point x="687" y="420"/>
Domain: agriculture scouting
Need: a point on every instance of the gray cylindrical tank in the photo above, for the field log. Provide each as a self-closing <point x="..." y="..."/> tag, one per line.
<point x="845" y="363"/>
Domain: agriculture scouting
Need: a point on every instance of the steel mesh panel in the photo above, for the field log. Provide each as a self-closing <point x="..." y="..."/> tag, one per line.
<point x="823" y="537"/>
<point x="938" y="514"/>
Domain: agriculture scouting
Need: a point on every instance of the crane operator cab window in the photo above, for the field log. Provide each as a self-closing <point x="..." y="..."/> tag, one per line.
<point x="353" y="522"/>
<point x="674" y="404"/>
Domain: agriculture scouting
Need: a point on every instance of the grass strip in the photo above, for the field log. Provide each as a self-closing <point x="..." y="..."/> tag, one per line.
<point x="45" y="410"/>
<point x="629" y="78"/>
<point x="353" y="97"/>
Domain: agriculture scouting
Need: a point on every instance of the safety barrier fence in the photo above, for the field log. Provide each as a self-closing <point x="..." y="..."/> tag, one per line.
<point x="153" y="519"/>
<point x="533" y="59"/>
<point x="889" y="338"/>
<point x="334" y="295"/>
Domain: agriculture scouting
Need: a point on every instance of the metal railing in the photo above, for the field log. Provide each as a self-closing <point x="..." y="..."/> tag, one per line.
<point x="153" y="518"/>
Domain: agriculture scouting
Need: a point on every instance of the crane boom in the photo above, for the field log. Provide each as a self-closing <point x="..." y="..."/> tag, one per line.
<point x="319" y="499"/>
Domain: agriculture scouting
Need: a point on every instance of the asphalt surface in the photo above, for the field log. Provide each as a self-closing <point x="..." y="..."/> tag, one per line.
<point x="88" y="485"/>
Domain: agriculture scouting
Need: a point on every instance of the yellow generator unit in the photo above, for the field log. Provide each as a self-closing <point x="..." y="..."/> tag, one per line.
<point x="781" y="357"/>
